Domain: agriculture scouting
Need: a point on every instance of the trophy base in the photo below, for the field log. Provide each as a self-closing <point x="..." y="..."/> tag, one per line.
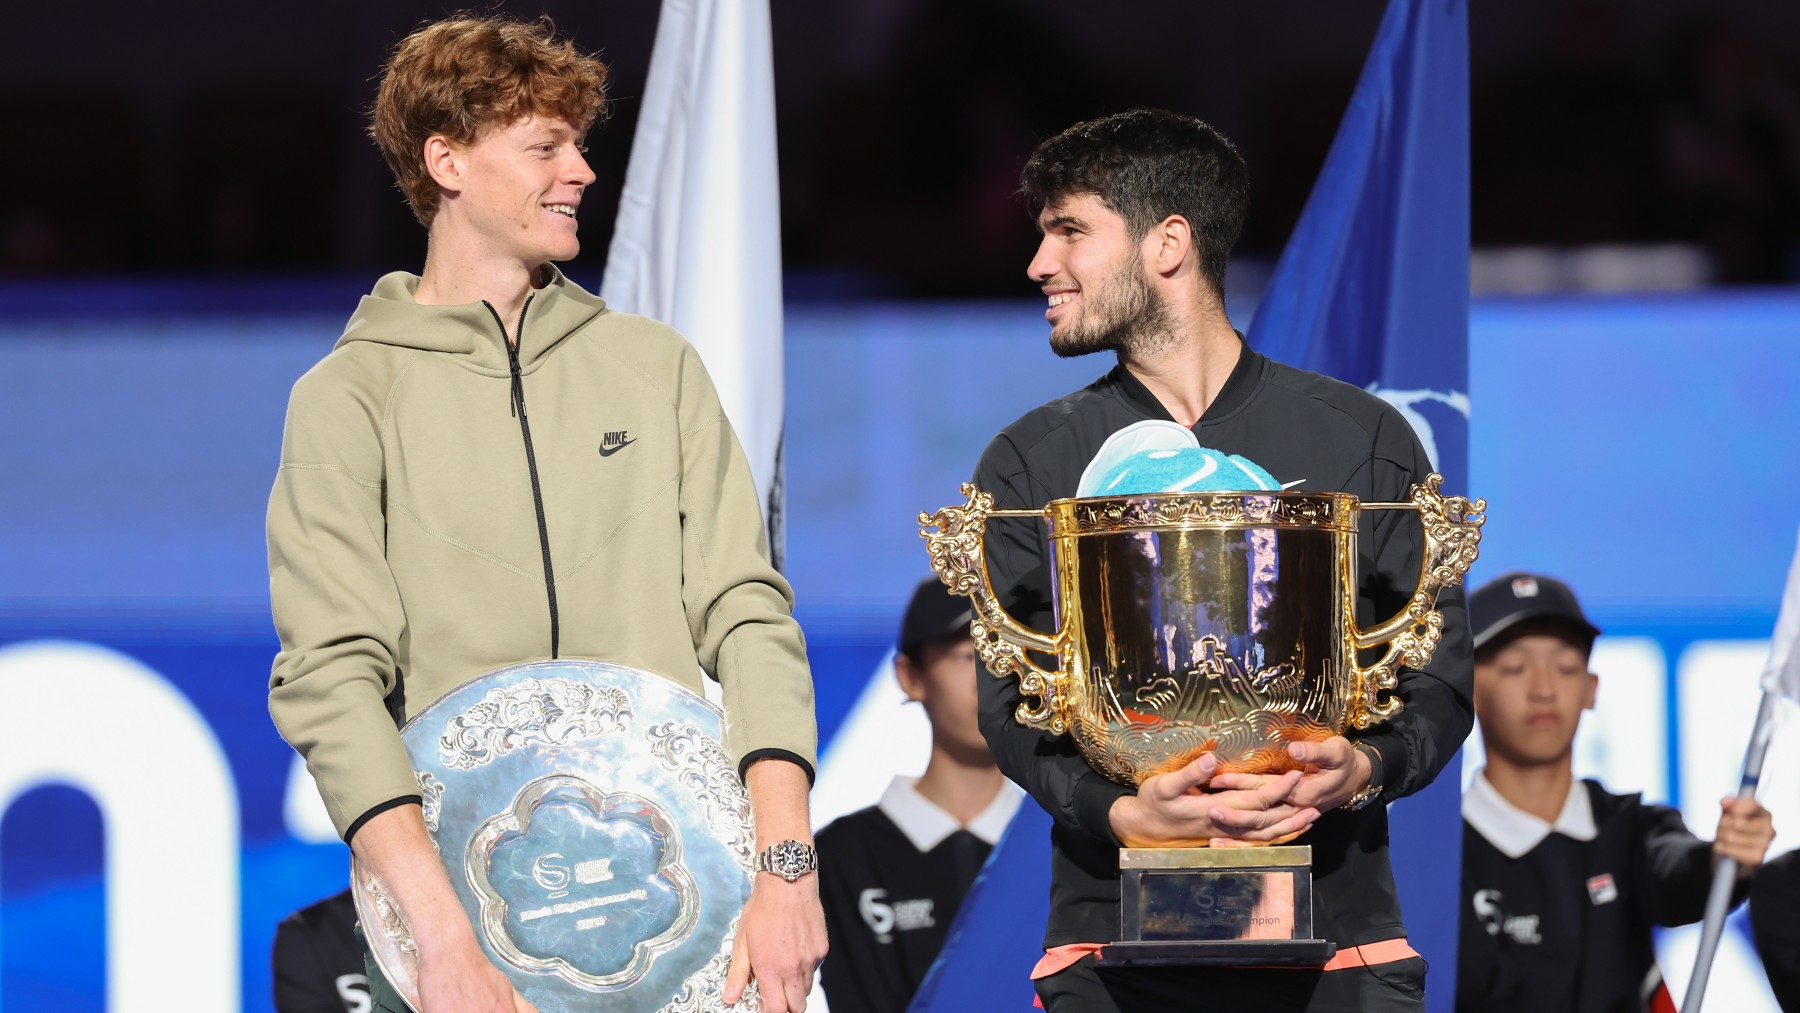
<point x="1219" y="953"/>
<point x="1216" y="906"/>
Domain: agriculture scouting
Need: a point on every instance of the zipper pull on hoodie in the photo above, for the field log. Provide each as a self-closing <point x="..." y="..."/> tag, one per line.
<point x="516" y="393"/>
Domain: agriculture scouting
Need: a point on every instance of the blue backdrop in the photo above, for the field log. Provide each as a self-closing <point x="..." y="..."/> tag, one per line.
<point x="141" y="447"/>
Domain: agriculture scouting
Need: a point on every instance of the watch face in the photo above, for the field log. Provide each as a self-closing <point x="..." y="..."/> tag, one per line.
<point x="790" y="859"/>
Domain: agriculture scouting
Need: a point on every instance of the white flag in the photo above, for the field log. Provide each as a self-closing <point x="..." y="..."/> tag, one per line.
<point x="1782" y="675"/>
<point x="698" y="240"/>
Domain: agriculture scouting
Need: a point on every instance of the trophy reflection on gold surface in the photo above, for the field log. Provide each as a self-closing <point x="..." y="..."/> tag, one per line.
<point x="1221" y="622"/>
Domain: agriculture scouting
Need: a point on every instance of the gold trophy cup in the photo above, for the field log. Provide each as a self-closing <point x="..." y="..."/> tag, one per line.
<point x="1214" y="622"/>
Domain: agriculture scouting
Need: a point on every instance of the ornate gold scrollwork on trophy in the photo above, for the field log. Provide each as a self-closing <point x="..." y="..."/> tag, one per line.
<point x="1190" y="623"/>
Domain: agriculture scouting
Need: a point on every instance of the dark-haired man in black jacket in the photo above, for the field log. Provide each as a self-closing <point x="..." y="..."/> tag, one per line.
<point x="1138" y="212"/>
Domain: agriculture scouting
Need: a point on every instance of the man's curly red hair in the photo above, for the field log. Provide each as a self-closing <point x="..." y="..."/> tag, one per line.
<point x="467" y="74"/>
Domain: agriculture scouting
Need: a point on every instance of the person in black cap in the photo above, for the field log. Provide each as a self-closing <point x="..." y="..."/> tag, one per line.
<point x="892" y="876"/>
<point x="1562" y="880"/>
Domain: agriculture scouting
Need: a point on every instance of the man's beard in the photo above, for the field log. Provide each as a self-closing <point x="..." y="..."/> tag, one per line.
<point x="1124" y="314"/>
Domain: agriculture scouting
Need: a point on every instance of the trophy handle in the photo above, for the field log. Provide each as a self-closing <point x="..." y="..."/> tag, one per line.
<point x="1452" y="540"/>
<point x="954" y="537"/>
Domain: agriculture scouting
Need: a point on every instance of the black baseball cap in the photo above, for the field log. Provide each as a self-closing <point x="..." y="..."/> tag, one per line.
<point x="1507" y="601"/>
<point x="934" y="614"/>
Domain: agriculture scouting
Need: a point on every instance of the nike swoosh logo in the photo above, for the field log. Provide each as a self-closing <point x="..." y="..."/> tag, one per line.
<point x="1284" y="485"/>
<point x="609" y="451"/>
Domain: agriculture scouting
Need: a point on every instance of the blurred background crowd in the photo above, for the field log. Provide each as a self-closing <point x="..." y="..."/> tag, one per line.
<point x="211" y="137"/>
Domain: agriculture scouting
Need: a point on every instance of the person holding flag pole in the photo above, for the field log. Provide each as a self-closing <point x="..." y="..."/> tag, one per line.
<point x="1780" y="678"/>
<point x="1563" y="880"/>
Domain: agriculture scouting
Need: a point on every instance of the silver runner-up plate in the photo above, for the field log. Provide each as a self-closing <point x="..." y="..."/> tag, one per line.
<point x="595" y="830"/>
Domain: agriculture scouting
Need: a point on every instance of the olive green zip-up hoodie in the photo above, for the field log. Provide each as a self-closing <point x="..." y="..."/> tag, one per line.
<point x="405" y="544"/>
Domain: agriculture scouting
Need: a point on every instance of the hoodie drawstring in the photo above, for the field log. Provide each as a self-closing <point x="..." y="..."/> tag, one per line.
<point x="537" y="494"/>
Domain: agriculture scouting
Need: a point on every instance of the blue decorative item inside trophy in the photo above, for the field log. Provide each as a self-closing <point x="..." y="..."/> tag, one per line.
<point x="1187" y="469"/>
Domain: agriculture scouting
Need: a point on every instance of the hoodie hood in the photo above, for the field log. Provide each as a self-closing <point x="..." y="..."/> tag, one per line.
<point x="390" y="316"/>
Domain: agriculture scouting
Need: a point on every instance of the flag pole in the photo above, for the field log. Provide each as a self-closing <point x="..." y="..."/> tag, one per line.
<point x="1781" y="678"/>
<point x="1718" y="902"/>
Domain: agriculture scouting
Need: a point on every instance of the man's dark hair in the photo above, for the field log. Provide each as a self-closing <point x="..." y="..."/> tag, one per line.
<point x="1146" y="165"/>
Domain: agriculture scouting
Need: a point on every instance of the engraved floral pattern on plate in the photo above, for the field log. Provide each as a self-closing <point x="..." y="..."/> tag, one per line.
<point x="542" y="775"/>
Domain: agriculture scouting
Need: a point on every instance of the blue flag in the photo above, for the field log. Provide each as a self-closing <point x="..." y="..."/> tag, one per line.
<point x="998" y="933"/>
<point x="1373" y="289"/>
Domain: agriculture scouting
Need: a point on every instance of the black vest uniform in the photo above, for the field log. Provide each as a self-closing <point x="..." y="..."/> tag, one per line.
<point x="319" y="961"/>
<point x="1566" y="926"/>
<point x="888" y="905"/>
<point x="1774" y="905"/>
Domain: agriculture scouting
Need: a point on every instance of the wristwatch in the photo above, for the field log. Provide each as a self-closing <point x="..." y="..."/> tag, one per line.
<point x="788" y="859"/>
<point x="1363" y="798"/>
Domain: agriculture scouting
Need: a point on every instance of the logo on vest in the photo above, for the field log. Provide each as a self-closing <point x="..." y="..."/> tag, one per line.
<point x="902" y="915"/>
<point x="354" y="990"/>
<point x="613" y="442"/>
<point x="1522" y="928"/>
<point x="1602" y="889"/>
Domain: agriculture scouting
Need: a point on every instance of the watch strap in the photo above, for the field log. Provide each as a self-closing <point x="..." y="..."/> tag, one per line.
<point x="1377" y="775"/>
<point x="1377" y="766"/>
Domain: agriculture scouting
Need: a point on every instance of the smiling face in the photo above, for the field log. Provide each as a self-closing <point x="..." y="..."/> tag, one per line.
<point x="515" y="191"/>
<point x="1529" y="695"/>
<point x="1095" y="278"/>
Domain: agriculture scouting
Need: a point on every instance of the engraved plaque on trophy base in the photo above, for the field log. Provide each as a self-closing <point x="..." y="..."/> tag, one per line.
<point x="1225" y="906"/>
